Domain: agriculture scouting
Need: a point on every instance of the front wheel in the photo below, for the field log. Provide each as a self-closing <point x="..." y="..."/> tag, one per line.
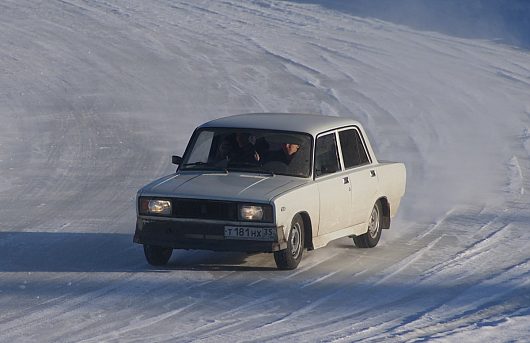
<point x="290" y="258"/>
<point x="156" y="255"/>
<point x="372" y="236"/>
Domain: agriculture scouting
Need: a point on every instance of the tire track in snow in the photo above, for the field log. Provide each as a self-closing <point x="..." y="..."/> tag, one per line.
<point x="16" y="326"/>
<point x="402" y="265"/>
<point x="141" y="324"/>
<point x="421" y="323"/>
<point x="310" y="265"/>
<point x="486" y="305"/>
<point x="404" y="299"/>
<point x="475" y="250"/>
<point x="359" y="308"/>
<point x="277" y="297"/>
<point x="483" y="310"/>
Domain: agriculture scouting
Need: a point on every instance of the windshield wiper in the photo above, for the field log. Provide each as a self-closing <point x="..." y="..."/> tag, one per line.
<point x="243" y="164"/>
<point x="240" y="166"/>
<point x="205" y="164"/>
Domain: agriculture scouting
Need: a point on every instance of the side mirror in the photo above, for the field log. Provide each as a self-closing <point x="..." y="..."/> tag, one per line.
<point x="176" y="160"/>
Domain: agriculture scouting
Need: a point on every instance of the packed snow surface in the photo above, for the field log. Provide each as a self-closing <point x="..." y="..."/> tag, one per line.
<point x="95" y="97"/>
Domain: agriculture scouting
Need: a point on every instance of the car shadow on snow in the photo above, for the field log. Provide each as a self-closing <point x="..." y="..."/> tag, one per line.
<point x="108" y="252"/>
<point x="219" y="261"/>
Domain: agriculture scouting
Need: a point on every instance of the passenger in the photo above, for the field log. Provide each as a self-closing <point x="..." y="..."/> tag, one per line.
<point x="285" y="154"/>
<point x="286" y="160"/>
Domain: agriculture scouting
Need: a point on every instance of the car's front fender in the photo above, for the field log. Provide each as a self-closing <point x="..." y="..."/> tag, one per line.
<point x="298" y="200"/>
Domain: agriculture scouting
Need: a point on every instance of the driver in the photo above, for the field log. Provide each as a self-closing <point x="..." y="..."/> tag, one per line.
<point x="241" y="150"/>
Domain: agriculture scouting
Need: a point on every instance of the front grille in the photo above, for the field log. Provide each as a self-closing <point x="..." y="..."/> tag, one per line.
<point x="204" y="209"/>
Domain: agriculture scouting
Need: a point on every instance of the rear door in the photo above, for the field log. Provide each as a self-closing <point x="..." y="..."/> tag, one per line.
<point x="360" y="172"/>
<point x="333" y="187"/>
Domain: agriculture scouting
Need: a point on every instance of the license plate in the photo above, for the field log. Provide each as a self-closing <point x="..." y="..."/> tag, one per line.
<point x="250" y="233"/>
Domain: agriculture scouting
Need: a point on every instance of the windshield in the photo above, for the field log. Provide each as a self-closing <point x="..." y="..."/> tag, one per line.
<point x="249" y="150"/>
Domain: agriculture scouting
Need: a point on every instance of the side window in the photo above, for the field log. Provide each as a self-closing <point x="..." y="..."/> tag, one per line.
<point x="326" y="157"/>
<point x="353" y="151"/>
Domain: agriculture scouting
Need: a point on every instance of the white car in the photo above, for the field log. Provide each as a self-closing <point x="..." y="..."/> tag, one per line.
<point x="270" y="182"/>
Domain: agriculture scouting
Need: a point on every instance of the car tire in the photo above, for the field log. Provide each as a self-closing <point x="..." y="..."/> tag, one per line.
<point x="156" y="255"/>
<point x="372" y="236"/>
<point x="289" y="258"/>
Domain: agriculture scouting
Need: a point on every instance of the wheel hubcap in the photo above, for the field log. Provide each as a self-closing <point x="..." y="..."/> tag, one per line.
<point x="296" y="244"/>
<point x="373" y="225"/>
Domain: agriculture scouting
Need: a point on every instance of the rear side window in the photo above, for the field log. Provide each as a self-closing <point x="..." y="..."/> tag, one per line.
<point x="353" y="151"/>
<point x="326" y="156"/>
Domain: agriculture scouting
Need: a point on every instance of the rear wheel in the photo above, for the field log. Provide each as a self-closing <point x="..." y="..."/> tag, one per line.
<point x="156" y="255"/>
<point x="372" y="236"/>
<point x="290" y="258"/>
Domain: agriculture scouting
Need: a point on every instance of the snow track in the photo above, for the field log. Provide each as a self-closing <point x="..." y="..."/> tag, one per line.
<point x="96" y="95"/>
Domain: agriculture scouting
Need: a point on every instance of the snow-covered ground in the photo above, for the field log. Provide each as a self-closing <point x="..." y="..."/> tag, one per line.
<point x="96" y="95"/>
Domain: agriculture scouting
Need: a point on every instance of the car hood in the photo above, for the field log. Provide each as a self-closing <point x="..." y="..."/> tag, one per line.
<point x="223" y="186"/>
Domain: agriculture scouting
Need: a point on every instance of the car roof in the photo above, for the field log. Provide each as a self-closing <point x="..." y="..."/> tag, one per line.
<point x="298" y="122"/>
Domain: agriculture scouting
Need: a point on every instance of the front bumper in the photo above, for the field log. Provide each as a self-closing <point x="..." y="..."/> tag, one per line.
<point x="178" y="233"/>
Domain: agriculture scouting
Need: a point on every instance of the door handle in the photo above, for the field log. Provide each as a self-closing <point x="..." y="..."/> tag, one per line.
<point x="345" y="180"/>
<point x="372" y="173"/>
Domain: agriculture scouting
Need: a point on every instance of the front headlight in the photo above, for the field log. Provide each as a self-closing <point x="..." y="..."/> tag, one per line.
<point x="251" y="212"/>
<point x="159" y="207"/>
<point x="155" y="206"/>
